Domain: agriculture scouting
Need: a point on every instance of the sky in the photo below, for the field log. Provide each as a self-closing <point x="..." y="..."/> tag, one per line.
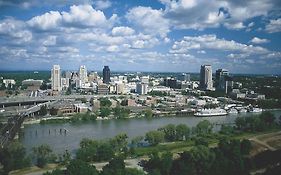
<point x="141" y="35"/>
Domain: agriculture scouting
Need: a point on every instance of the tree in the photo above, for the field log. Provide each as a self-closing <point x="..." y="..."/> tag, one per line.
<point x="43" y="154"/>
<point x="246" y="147"/>
<point x="79" y="167"/>
<point x="227" y="130"/>
<point x="119" y="142"/>
<point x="44" y="86"/>
<point x="13" y="157"/>
<point x="268" y="118"/>
<point x="159" y="165"/>
<point x="65" y="158"/>
<point x="135" y="142"/>
<point x="53" y="111"/>
<point x="240" y="123"/>
<point x="133" y="171"/>
<point x="203" y="158"/>
<point x="105" y="112"/>
<point x="121" y="112"/>
<point x="148" y="113"/>
<point x="55" y="172"/>
<point x="2" y="87"/>
<point x="166" y="163"/>
<point x="204" y="127"/>
<point x="182" y="132"/>
<point x="154" y="137"/>
<point x="115" y="166"/>
<point x="88" y="150"/>
<point x="104" y="151"/>
<point x="43" y="110"/>
<point x="68" y="91"/>
<point x="105" y="102"/>
<point x="170" y="132"/>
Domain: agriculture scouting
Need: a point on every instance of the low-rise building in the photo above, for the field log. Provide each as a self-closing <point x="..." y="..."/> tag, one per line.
<point x="9" y="81"/>
<point x="103" y="89"/>
<point x="81" y="108"/>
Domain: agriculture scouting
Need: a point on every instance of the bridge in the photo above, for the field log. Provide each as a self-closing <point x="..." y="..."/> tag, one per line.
<point x="14" y="123"/>
<point x="18" y="101"/>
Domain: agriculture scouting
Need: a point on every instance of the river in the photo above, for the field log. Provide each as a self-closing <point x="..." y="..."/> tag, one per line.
<point x="37" y="134"/>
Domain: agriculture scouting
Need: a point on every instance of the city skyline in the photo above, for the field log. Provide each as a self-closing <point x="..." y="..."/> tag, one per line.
<point x="158" y="36"/>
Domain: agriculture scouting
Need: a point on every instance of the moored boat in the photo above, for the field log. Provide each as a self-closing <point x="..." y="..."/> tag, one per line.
<point x="210" y="112"/>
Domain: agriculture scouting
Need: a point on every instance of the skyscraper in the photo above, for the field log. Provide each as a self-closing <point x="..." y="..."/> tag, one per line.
<point x="106" y="74"/>
<point x="83" y="74"/>
<point x="220" y="78"/>
<point x="56" y="80"/>
<point x="206" y="81"/>
<point x="223" y="80"/>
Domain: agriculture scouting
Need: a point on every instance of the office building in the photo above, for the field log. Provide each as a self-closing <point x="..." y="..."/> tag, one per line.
<point x="144" y="79"/>
<point x="93" y="77"/>
<point x="206" y="82"/>
<point x="185" y="77"/>
<point x="83" y="74"/>
<point x="56" y="79"/>
<point x="103" y="89"/>
<point x="32" y="82"/>
<point x="106" y="75"/>
<point x="142" y="88"/>
<point x="64" y="83"/>
<point x="223" y="81"/>
<point x="8" y="82"/>
<point x="171" y="82"/>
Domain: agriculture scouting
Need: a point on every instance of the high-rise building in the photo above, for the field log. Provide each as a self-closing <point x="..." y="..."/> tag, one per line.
<point x="93" y="77"/>
<point x="142" y="88"/>
<point x="145" y="79"/>
<point x="223" y="80"/>
<point x="64" y="83"/>
<point x="68" y="74"/>
<point x="185" y="77"/>
<point x="106" y="74"/>
<point x="83" y="74"/>
<point x="206" y="81"/>
<point x="56" y="80"/>
<point x="171" y="82"/>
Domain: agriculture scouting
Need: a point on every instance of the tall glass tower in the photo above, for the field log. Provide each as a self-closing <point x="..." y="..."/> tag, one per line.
<point x="106" y="74"/>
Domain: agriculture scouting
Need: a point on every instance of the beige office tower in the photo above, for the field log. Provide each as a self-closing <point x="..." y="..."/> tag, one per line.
<point x="83" y="74"/>
<point x="206" y="81"/>
<point x="56" y="79"/>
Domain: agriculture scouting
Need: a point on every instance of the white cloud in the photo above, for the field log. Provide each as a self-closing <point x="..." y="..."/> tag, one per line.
<point x="102" y="4"/>
<point x="212" y="42"/>
<point x="200" y="14"/>
<point x="15" y="30"/>
<point x="122" y="31"/>
<point x="273" y="26"/>
<point x="113" y="48"/>
<point x="79" y="16"/>
<point x="50" y="41"/>
<point x="85" y="15"/>
<point x="149" y="20"/>
<point x="49" y="20"/>
<point x="257" y="40"/>
<point x="138" y="44"/>
<point x="235" y="26"/>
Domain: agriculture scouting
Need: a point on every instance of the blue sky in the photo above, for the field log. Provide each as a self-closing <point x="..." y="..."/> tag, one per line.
<point x="141" y="35"/>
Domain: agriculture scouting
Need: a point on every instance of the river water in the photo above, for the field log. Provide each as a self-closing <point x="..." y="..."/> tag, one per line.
<point x="37" y="134"/>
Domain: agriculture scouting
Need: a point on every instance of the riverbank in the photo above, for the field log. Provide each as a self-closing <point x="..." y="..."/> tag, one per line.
<point x="173" y="147"/>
